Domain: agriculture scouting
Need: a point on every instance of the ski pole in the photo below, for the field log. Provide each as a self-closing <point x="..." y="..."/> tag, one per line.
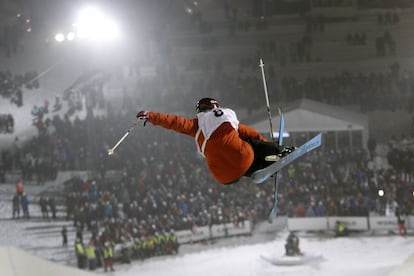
<point x="130" y="129"/>
<point x="274" y="209"/>
<point x="267" y="99"/>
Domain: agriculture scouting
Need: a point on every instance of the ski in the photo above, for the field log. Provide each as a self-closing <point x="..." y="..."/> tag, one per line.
<point x="262" y="175"/>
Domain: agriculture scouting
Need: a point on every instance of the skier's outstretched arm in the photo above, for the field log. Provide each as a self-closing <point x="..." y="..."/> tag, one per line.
<point x="169" y="121"/>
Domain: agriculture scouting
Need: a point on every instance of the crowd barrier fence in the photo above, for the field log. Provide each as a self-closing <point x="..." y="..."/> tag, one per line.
<point x="369" y="223"/>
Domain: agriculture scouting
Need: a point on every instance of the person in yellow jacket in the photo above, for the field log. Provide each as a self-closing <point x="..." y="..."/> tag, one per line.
<point x="148" y="246"/>
<point x="158" y="243"/>
<point x="171" y="243"/>
<point x="108" y="255"/>
<point x="80" y="254"/>
<point x="137" y="248"/>
<point x="340" y="229"/>
<point x="90" y="255"/>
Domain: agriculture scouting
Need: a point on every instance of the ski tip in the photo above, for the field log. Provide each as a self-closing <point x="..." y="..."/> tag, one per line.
<point x="257" y="178"/>
<point x="272" y="216"/>
<point x="319" y="137"/>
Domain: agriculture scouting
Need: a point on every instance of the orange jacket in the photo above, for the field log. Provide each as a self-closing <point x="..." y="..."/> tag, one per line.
<point x="228" y="155"/>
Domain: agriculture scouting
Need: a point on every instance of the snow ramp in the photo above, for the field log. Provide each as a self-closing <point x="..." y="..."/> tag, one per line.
<point x="406" y="268"/>
<point x="16" y="262"/>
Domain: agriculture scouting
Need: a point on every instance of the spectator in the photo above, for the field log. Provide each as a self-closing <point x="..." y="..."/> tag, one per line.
<point x="43" y="207"/>
<point x="91" y="255"/>
<point x="310" y="212"/>
<point x="108" y="256"/>
<point x="25" y="205"/>
<point x="80" y="254"/>
<point x="320" y="210"/>
<point x="64" y="233"/>
<point x="79" y="233"/>
<point x="340" y="229"/>
<point x="52" y="207"/>
<point x="400" y="213"/>
<point x="16" y="206"/>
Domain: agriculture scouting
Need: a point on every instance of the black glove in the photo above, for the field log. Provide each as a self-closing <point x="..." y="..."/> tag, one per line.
<point x="143" y="115"/>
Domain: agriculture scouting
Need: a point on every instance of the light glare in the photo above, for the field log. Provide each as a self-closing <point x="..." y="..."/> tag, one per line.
<point x="93" y="24"/>
<point x="70" y="36"/>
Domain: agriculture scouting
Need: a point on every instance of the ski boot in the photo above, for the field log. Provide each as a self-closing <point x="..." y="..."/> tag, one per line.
<point x="284" y="150"/>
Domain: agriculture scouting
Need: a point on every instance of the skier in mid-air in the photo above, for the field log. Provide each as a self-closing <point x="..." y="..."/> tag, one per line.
<point x="231" y="149"/>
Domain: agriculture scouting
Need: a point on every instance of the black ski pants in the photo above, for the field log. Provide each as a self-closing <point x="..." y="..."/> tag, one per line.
<point x="261" y="149"/>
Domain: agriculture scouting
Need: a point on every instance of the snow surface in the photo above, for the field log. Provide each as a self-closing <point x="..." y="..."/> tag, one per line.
<point x="364" y="255"/>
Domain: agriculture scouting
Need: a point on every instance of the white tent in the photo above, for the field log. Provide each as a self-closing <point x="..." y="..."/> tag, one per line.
<point x="308" y="116"/>
<point x="16" y="262"/>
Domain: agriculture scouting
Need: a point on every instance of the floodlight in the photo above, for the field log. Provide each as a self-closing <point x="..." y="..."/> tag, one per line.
<point x="59" y="37"/>
<point x="381" y="192"/>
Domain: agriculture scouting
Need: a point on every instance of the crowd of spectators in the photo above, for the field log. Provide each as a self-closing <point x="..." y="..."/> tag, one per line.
<point x="370" y="91"/>
<point x="389" y="89"/>
<point x="48" y="207"/>
<point x="385" y="89"/>
<point x="164" y="179"/>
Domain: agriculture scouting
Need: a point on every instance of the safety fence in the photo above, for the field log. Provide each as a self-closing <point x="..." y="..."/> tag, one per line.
<point x="370" y="223"/>
<point x="212" y="232"/>
<point x="169" y="243"/>
<point x="227" y="230"/>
